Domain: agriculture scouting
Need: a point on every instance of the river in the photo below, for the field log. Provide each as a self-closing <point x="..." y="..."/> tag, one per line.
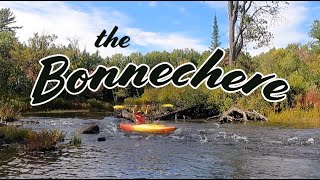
<point x="194" y="150"/>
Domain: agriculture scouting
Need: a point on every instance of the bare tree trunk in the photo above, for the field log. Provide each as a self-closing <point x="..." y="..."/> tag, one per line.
<point x="233" y="15"/>
<point x="231" y="31"/>
<point x="240" y="20"/>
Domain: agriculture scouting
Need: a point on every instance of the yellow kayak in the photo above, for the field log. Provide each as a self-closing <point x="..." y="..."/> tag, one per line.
<point x="148" y="128"/>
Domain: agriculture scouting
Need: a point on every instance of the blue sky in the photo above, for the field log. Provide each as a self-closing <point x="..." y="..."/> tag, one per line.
<point x="152" y="25"/>
<point x="193" y="19"/>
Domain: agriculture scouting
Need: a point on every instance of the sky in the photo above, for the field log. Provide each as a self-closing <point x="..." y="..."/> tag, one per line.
<point x="151" y="25"/>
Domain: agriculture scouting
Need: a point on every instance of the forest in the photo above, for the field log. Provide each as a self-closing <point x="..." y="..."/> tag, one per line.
<point x="298" y="63"/>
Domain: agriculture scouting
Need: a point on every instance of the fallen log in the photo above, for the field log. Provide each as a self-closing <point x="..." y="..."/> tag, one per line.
<point x="237" y="115"/>
<point x="178" y="114"/>
<point x="254" y="115"/>
<point x="195" y="112"/>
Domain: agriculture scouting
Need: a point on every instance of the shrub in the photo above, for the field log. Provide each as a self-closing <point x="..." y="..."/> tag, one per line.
<point x="19" y="105"/>
<point x="96" y="105"/>
<point x="44" y="140"/>
<point x="8" y="111"/>
<point x="34" y="141"/>
<point x="76" y="140"/>
<point x="135" y="101"/>
<point x="12" y="134"/>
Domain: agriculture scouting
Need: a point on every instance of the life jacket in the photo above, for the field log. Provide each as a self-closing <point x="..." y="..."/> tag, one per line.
<point x="140" y="119"/>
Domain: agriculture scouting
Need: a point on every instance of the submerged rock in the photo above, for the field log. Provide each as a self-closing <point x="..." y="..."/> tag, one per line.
<point x="31" y="122"/>
<point x="14" y="123"/>
<point x="101" y="139"/>
<point x="90" y="129"/>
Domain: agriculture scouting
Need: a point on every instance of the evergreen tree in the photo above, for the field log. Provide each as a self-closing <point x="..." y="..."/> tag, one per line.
<point x="6" y="19"/>
<point x="215" y="35"/>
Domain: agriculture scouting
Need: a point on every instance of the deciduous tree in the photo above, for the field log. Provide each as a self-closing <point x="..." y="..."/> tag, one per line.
<point x="247" y="23"/>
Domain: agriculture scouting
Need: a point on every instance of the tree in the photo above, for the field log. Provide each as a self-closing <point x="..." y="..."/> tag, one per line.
<point x="7" y="18"/>
<point x="247" y="23"/>
<point x="315" y="30"/>
<point x="7" y="41"/>
<point x="215" y="35"/>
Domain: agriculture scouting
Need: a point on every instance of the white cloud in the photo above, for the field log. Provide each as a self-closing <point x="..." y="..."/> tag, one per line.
<point x="65" y="21"/>
<point x="216" y="4"/>
<point x="163" y="41"/>
<point x="60" y="19"/>
<point x="152" y="3"/>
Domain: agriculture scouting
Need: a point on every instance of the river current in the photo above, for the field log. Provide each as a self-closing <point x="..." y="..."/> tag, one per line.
<point x="194" y="150"/>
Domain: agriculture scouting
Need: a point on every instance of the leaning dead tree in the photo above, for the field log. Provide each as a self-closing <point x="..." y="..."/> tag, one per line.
<point x="248" y="23"/>
<point x="237" y="115"/>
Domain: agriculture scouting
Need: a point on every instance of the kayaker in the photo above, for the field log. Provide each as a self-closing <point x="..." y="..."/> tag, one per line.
<point x="139" y="118"/>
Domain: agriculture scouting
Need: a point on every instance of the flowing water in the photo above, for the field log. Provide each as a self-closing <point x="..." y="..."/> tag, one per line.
<point x="194" y="150"/>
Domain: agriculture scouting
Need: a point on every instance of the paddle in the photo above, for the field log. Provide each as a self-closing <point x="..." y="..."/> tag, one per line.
<point x="118" y="107"/>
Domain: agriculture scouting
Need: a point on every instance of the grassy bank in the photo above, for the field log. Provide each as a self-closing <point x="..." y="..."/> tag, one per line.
<point x="44" y="140"/>
<point x="296" y="118"/>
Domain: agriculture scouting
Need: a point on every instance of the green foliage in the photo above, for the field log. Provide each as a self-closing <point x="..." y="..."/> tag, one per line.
<point x="137" y="101"/>
<point x="221" y="100"/>
<point x="76" y="140"/>
<point x="44" y="140"/>
<point x="20" y="105"/>
<point x="61" y="104"/>
<point x="315" y="30"/>
<point x="6" y="19"/>
<point x="11" y="134"/>
<point x="96" y="105"/>
<point x="296" y="118"/>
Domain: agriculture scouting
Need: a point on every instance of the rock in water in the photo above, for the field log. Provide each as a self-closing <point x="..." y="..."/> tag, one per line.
<point x="90" y="129"/>
<point x="101" y="139"/>
<point x="31" y="122"/>
<point x="310" y="141"/>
